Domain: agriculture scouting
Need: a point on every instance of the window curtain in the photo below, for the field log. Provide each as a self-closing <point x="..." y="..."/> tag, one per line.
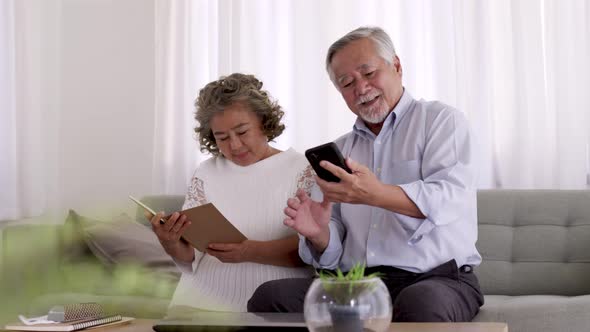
<point x="27" y="118"/>
<point x="179" y="57"/>
<point x="7" y="112"/>
<point x="519" y="70"/>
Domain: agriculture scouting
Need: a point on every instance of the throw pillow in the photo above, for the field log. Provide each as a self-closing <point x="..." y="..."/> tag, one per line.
<point x="74" y="247"/>
<point x="125" y="241"/>
<point x="132" y="261"/>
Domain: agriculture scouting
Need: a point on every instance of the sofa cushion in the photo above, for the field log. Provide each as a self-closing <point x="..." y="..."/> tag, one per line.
<point x="534" y="242"/>
<point x="131" y="260"/>
<point x="166" y="203"/>
<point x="74" y="248"/>
<point x="533" y="313"/>
<point x="125" y="241"/>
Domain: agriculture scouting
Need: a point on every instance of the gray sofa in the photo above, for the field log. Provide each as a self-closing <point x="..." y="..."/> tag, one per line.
<point x="535" y="245"/>
<point x="536" y="260"/>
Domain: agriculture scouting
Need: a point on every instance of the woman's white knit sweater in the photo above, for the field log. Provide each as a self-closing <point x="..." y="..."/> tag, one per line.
<point x="252" y="198"/>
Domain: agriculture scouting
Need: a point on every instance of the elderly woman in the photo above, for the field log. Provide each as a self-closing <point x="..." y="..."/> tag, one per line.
<point x="248" y="181"/>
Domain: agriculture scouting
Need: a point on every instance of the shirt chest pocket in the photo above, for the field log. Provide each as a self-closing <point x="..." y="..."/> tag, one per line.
<point x="405" y="171"/>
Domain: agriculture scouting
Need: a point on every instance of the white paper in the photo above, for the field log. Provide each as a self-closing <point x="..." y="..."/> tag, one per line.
<point x="35" y="320"/>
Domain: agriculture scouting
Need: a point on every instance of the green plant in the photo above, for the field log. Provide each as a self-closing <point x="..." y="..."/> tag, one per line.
<point x="346" y="287"/>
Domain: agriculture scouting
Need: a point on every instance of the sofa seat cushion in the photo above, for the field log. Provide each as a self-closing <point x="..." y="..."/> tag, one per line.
<point x="548" y="313"/>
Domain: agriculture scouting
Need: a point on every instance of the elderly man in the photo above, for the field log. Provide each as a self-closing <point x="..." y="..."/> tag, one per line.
<point x="408" y="210"/>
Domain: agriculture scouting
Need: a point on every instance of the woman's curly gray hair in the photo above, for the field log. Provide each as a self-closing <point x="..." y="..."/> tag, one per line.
<point x="216" y="96"/>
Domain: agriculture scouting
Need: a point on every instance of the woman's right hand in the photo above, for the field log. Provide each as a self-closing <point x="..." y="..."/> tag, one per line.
<point x="169" y="235"/>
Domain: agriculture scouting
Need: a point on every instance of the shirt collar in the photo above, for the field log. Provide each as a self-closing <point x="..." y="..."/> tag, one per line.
<point x="402" y="106"/>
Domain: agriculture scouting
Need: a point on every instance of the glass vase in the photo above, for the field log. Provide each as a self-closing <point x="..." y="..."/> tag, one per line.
<point x="347" y="306"/>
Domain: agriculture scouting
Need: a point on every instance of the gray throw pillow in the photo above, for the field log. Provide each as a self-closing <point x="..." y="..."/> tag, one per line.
<point x="132" y="260"/>
<point x="75" y="250"/>
<point x="123" y="241"/>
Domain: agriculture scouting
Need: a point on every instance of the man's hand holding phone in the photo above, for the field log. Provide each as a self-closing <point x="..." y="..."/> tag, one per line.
<point x="326" y="152"/>
<point x="343" y="180"/>
<point x="360" y="187"/>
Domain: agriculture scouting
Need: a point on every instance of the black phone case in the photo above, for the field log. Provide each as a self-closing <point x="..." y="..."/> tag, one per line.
<point x="328" y="152"/>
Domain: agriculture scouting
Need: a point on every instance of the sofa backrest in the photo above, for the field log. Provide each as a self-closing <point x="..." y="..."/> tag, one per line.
<point x="531" y="241"/>
<point x="166" y="203"/>
<point x="534" y="241"/>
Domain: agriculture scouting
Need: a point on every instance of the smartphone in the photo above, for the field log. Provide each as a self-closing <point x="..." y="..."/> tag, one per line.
<point x="147" y="208"/>
<point x="328" y="152"/>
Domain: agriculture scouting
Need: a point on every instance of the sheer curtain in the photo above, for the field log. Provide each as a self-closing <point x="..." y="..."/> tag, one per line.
<point x="518" y="69"/>
<point x="177" y="60"/>
<point x="27" y="119"/>
<point x="7" y="112"/>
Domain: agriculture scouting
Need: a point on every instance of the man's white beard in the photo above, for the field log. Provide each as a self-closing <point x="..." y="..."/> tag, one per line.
<point x="375" y="114"/>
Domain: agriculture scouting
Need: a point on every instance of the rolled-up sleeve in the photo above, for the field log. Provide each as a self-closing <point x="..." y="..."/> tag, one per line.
<point x="448" y="175"/>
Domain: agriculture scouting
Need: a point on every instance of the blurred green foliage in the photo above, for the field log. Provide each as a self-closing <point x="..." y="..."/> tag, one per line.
<point x="43" y="260"/>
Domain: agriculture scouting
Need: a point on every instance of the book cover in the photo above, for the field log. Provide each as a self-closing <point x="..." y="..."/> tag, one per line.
<point x="208" y="225"/>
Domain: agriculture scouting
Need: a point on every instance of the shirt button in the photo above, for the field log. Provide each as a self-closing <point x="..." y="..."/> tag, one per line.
<point x="372" y="254"/>
<point x="374" y="225"/>
<point x="378" y="142"/>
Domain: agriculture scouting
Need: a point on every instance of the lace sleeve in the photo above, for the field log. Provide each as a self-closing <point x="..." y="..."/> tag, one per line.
<point x="195" y="195"/>
<point x="305" y="180"/>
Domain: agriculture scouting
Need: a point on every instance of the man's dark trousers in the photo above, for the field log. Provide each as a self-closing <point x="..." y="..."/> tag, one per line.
<point x="444" y="294"/>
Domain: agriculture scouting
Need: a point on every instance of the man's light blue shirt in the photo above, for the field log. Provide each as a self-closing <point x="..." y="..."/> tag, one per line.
<point x="425" y="148"/>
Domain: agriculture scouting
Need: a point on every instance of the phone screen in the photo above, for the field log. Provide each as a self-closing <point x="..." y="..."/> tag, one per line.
<point x="328" y="152"/>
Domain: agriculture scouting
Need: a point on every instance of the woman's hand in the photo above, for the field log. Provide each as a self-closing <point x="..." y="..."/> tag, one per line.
<point x="232" y="252"/>
<point x="279" y="252"/>
<point x="169" y="235"/>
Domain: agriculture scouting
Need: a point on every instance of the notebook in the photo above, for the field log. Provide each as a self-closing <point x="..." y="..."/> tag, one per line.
<point x="73" y="325"/>
<point x="232" y="322"/>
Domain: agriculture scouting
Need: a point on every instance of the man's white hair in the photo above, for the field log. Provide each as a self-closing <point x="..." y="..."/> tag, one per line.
<point x="379" y="37"/>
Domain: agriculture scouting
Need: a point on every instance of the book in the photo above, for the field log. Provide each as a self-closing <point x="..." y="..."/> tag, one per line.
<point x="208" y="225"/>
<point x="71" y="326"/>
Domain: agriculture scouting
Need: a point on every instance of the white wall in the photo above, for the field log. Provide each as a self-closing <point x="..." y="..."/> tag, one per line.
<point x="106" y="100"/>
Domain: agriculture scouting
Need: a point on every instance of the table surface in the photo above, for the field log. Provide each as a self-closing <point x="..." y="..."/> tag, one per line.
<point x="145" y="325"/>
